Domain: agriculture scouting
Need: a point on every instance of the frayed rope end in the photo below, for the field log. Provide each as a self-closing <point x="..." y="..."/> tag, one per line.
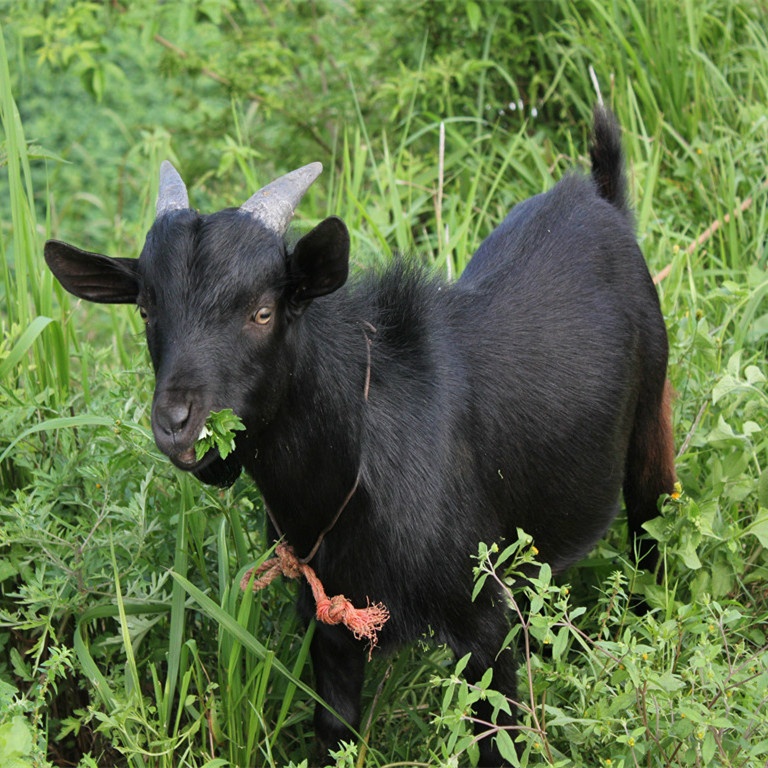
<point x="364" y="623"/>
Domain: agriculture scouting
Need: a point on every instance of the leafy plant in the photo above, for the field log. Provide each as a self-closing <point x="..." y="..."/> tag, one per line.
<point x="124" y="638"/>
<point x="681" y="685"/>
<point x="16" y="743"/>
<point x="219" y="432"/>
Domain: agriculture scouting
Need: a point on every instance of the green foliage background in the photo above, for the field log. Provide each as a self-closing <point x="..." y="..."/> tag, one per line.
<point x="124" y="639"/>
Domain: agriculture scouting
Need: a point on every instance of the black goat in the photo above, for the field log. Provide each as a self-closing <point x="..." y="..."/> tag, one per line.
<point x="524" y="395"/>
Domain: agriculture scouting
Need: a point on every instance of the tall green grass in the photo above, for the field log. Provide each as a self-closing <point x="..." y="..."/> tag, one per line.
<point x="123" y="636"/>
<point x="27" y="289"/>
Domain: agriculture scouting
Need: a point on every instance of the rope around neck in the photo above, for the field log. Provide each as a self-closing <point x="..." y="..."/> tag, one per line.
<point x="364" y="623"/>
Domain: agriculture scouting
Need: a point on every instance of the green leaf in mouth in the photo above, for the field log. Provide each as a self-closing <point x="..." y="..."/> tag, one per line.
<point x="218" y="432"/>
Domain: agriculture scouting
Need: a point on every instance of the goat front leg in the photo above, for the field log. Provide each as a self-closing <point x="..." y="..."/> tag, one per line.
<point x="504" y="682"/>
<point x="485" y="630"/>
<point x="339" y="662"/>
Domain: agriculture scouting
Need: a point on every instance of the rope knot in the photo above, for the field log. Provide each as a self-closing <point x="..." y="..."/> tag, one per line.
<point x="333" y="610"/>
<point x="364" y="623"/>
<point x="290" y="565"/>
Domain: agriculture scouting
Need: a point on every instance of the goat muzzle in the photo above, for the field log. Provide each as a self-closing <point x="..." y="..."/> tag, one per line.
<point x="177" y="420"/>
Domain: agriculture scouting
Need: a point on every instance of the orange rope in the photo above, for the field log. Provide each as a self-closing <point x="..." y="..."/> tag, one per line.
<point x="364" y="623"/>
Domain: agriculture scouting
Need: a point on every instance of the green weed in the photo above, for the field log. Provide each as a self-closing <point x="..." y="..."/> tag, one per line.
<point x="124" y="637"/>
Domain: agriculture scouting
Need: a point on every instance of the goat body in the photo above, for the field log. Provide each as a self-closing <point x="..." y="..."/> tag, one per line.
<point x="525" y="395"/>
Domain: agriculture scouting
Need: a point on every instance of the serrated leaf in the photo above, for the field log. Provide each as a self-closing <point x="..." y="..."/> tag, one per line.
<point x="20" y="667"/>
<point x="218" y="432"/>
<point x="7" y="569"/>
<point x="15" y="738"/>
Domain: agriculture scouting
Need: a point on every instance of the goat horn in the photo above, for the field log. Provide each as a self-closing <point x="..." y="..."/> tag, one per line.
<point x="172" y="194"/>
<point x="275" y="204"/>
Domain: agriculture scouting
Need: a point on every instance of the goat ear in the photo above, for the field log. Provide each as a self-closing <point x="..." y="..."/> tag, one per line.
<point x="91" y="276"/>
<point x="319" y="264"/>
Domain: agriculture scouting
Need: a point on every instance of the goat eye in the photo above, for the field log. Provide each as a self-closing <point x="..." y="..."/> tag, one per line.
<point x="262" y="316"/>
<point x="143" y="314"/>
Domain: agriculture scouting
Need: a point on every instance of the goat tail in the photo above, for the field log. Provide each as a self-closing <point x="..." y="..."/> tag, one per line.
<point x="608" y="158"/>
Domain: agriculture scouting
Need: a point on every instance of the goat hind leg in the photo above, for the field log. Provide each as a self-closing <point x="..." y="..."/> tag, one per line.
<point x="650" y="470"/>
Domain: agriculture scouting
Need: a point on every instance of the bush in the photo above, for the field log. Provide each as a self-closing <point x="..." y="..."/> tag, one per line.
<point x="124" y="639"/>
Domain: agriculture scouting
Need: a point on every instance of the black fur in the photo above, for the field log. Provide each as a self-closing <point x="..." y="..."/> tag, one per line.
<point x="524" y="395"/>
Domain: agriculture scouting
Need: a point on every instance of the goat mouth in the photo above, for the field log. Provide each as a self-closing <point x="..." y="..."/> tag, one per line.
<point x="188" y="461"/>
<point x="188" y="458"/>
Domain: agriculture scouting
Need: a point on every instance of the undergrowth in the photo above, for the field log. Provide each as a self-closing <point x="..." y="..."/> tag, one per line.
<point x="124" y="637"/>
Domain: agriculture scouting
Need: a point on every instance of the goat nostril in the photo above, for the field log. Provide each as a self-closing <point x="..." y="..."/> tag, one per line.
<point x="176" y="417"/>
